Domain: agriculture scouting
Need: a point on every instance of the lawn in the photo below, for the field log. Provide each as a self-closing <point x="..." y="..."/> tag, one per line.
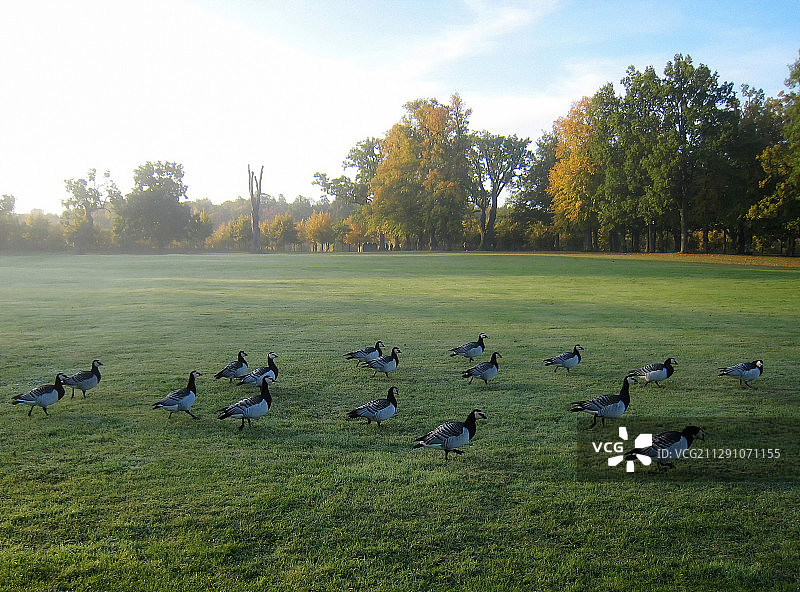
<point x="109" y="494"/>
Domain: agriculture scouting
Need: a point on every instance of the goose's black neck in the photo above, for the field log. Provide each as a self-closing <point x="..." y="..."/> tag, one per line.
<point x="470" y="424"/>
<point x="624" y="392"/>
<point x="59" y="386"/>
<point x="265" y="394"/>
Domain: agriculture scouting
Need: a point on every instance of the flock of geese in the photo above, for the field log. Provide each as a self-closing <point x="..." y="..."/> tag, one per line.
<point x="448" y="437"/>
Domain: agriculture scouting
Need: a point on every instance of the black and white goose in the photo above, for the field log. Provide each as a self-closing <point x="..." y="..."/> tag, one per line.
<point x="85" y="379"/>
<point x="181" y="399"/>
<point x="250" y="408"/>
<point x="270" y="371"/>
<point x="235" y="369"/>
<point x="452" y="435"/>
<point x="612" y="406"/>
<point x="470" y="350"/>
<point x="566" y="360"/>
<point x="484" y="371"/>
<point x="42" y="396"/>
<point x="365" y="354"/>
<point x="744" y="371"/>
<point x="668" y="446"/>
<point x="377" y="410"/>
<point x="385" y="364"/>
<point x="655" y="372"/>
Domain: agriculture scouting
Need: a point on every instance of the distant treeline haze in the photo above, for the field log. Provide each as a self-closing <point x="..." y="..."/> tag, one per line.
<point x="675" y="162"/>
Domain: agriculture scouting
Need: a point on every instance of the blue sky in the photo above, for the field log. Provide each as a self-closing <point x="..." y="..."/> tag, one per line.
<point x="220" y="84"/>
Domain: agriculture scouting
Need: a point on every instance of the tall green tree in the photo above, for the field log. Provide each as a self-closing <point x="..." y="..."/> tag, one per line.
<point x="495" y="164"/>
<point x="695" y="112"/>
<point x="8" y="223"/>
<point x="87" y="197"/>
<point x="781" y="164"/>
<point x="365" y="158"/>
<point x="152" y="213"/>
<point x="530" y="200"/>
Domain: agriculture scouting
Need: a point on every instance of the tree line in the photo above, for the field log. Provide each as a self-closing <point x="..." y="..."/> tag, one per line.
<point x="673" y="162"/>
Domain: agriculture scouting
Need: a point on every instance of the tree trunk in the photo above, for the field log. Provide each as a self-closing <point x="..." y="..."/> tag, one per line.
<point x="255" y="207"/>
<point x="684" y="238"/>
<point x="489" y="240"/>
<point x="741" y="243"/>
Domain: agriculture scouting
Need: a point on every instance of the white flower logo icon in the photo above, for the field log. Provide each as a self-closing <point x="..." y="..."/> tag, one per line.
<point x="641" y="441"/>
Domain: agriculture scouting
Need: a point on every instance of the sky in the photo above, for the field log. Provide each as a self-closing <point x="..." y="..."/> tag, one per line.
<point x="218" y="85"/>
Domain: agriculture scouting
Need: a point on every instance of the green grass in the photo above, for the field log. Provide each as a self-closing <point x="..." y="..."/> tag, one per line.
<point x="106" y="493"/>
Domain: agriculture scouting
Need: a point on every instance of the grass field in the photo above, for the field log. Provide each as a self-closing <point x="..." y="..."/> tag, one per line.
<point x="108" y="494"/>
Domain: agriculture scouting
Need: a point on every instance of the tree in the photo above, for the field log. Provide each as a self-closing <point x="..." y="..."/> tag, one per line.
<point x="365" y="157"/>
<point x="151" y="213"/>
<point x="342" y="188"/>
<point x="8" y="223"/>
<point x="781" y="164"/>
<point x="283" y="231"/>
<point x="640" y="132"/>
<point x="358" y="231"/>
<point x="574" y="178"/>
<point x="397" y="207"/>
<point x="87" y="197"/>
<point x="495" y="162"/>
<point x="530" y="200"/>
<point x="255" y="208"/>
<point x="420" y="186"/>
<point x="199" y="229"/>
<point x="695" y="111"/>
<point x="41" y="232"/>
<point x="319" y="229"/>
<point x="615" y="200"/>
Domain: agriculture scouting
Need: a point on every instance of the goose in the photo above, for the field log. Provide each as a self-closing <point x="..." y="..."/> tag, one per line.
<point x="566" y="360"/>
<point x="451" y="435"/>
<point x="385" y="364"/>
<point x="365" y="354"/>
<point x="85" y="379"/>
<point x="470" y="350"/>
<point x="235" y="369"/>
<point x="655" y="372"/>
<point x="270" y="371"/>
<point x="181" y="399"/>
<point x="744" y="371"/>
<point x="484" y="370"/>
<point x="43" y="396"/>
<point x="668" y="446"/>
<point x="377" y="409"/>
<point x="607" y="405"/>
<point x="250" y="408"/>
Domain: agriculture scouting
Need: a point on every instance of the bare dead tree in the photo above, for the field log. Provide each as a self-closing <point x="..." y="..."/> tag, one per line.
<point x="255" y="206"/>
